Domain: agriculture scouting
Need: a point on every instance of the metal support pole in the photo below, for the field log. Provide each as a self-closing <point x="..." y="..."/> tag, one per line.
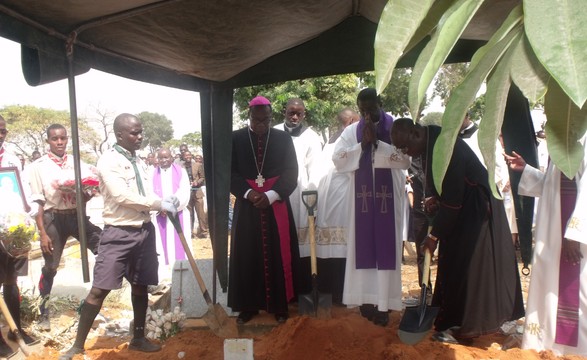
<point x="80" y="204"/>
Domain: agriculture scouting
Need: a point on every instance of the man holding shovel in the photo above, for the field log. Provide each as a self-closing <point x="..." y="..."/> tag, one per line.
<point x="264" y="256"/>
<point x="477" y="284"/>
<point x="127" y="244"/>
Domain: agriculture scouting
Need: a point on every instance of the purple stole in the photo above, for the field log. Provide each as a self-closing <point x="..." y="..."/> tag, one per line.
<point x="282" y="219"/>
<point x="567" y="316"/>
<point x="374" y="206"/>
<point x="162" y="219"/>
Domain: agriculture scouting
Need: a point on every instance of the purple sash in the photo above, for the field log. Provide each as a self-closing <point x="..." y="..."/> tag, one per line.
<point x="567" y="316"/>
<point x="162" y="219"/>
<point x="374" y="206"/>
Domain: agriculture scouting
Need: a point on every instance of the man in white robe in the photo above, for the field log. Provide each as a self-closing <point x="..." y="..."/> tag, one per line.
<point x="308" y="145"/>
<point x="559" y="264"/>
<point x="373" y="266"/>
<point x="170" y="179"/>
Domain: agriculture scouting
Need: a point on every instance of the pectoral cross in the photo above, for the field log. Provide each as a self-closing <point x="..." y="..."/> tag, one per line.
<point x="384" y="195"/>
<point x="260" y="180"/>
<point x="364" y="194"/>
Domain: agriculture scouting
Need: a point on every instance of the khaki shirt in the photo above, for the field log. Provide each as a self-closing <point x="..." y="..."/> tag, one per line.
<point x="44" y="175"/>
<point x="123" y="205"/>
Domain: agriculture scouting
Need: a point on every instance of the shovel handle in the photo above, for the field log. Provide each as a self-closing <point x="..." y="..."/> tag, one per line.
<point x="12" y="325"/>
<point x="175" y="221"/>
<point x="310" y="206"/>
<point x="313" y="263"/>
<point x="426" y="267"/>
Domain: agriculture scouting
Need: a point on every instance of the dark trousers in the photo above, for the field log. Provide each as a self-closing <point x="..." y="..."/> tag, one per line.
<point x="59" y="228"/>
<point x="196" y="208"/>
<point x="419" y="228"/>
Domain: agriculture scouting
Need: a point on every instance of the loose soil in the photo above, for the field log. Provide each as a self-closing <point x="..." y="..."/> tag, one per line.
<point x="346" y="336"/>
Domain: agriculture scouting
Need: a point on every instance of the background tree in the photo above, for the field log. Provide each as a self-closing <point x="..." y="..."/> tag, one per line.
<point x="324" y="97"/>
<point x="447" y="78"/>
<point x="432" y="118"/>
<point x="192" y="140"/>
<point x="157" y="130"/>
<point x="28" y="125"/>
<point x="102" y="120"/>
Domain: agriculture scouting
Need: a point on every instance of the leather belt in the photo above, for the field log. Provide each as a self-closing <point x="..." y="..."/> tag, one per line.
<point x="64" y="211"/>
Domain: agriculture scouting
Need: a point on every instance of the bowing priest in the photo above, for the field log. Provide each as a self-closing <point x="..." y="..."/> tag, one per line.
<point x="264" y="256"/>
<point x="377" y="197"/>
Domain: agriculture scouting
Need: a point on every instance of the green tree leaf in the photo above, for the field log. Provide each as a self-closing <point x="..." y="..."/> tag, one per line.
<point x="557" y="31"/>
<point x="527" y="72"/>
<point x="157" y="130"/>
<point x="400" y="18"/>
<point x="496" y="97"/>
<point x="459" y="102"/>
<point x="451" y="26"/>
<point x="565" y="126"/>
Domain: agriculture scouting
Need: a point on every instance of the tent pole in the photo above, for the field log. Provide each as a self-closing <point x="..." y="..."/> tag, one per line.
<point x="80" y="203"/>
<point x="212" y="224"/>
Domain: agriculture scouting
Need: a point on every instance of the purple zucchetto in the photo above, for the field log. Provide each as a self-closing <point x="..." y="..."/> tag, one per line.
<point x="259" y="100"/>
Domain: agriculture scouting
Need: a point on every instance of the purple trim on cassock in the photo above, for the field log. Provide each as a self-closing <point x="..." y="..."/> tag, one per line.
<point x="569" y="287"/>
<point x="162" y="219"/>
<point x="374" y="206"/>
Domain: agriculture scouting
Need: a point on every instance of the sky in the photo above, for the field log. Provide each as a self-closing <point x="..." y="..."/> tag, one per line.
<point x="96" y="89"/>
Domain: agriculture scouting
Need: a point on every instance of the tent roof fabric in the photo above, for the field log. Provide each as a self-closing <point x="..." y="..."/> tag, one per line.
<point x="223" y="41"/>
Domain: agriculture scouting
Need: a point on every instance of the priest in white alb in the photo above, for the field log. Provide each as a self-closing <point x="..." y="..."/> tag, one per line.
<point x="170" y="179"/>
<point x="377" y="196"/>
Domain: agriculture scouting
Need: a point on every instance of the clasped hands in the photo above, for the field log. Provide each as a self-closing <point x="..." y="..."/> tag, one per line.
<point x="259" y="199"/>
<point x="170" y="204"/>
<point x="369" y="134"/>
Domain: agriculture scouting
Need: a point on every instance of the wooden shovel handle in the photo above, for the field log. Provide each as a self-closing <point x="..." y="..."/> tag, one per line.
<point x="426" y="267"/>
<point x="13" y="327"/>
<point x="175" y="221"/>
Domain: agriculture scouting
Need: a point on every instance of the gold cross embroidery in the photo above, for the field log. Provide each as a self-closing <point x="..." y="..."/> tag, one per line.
<point x="534" y="329"/>
<point x="574" y="223"/>
<point x="364" y="194"/>
<point x="384" y="195"/>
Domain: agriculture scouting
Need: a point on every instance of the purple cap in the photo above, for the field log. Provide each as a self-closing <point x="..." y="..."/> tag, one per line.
<point x="259" y="100"/>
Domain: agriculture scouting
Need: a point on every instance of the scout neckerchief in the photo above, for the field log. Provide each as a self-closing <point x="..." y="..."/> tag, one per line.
<point x="1" y="154"/>
<point x="133" y="161"/>
<point x="60" y="161"/>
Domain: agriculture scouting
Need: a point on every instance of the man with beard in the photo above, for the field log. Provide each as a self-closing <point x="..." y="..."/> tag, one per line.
<point x="477" y="284"/>
<point x="264" y="252"/>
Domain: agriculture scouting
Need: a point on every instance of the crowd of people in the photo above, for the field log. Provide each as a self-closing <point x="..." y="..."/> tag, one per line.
<point x="375" y="190"/>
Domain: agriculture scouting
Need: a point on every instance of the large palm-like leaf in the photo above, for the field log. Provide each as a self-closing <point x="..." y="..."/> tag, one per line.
<point x="557" y="31"/>
<point x="527" y="72"/>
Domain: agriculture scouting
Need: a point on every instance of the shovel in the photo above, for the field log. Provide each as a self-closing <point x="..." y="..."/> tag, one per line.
<point x="417" y="320"/>
<point x="315" y="304"/>
<point x="12" y="325"/>
<point x="216" y="317"/>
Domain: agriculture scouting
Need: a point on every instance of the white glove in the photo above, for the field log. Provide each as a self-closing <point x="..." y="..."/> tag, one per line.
<point x="172" y="199"/>
<point x="168" y="206"/>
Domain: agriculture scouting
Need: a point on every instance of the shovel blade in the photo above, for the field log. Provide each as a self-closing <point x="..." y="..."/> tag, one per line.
<point x="218" y="321"/>
<point x="416" y="323"/>
<point x="316" y="305"/>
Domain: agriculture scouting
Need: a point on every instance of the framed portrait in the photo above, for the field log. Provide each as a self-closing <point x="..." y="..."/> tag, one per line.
<point x="11" y="191"/>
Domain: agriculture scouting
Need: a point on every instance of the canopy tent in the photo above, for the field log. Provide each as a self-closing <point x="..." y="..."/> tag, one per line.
<point x="212" y="47"/>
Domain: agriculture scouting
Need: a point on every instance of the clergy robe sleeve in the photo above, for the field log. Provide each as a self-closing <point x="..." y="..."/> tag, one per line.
<point x="347" y="151"/>
<point x="288" y="178"/>
<point x="531" y="182"/>
<point x="184" y="190"/>
<point x="388" y="157"/>
<point x="453" y="190"/>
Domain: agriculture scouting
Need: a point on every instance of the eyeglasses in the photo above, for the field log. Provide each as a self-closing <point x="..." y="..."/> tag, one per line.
<point x="3" y="131"/>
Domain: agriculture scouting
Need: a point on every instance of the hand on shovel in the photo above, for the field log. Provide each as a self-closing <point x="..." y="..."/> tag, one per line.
<point x="430" y="243"/>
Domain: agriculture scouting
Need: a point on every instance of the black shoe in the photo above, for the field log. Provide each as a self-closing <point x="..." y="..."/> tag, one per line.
<point x="5" y="350"/>
<point x="29" y="340"/>
<point x="367" y="311"/>
<point x="142" y="344"/>
<point x="381" y="318"/>
<point x="445" y="337"/>
<point x="44" y="324"/>
<point x="281" y="317"/>
<point x="69" y="354"/>
<point x="245" y="316"/>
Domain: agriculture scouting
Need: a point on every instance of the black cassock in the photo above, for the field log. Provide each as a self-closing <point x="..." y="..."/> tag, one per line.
<point x="477" y="284"/>
<point x="257" y="280"/>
